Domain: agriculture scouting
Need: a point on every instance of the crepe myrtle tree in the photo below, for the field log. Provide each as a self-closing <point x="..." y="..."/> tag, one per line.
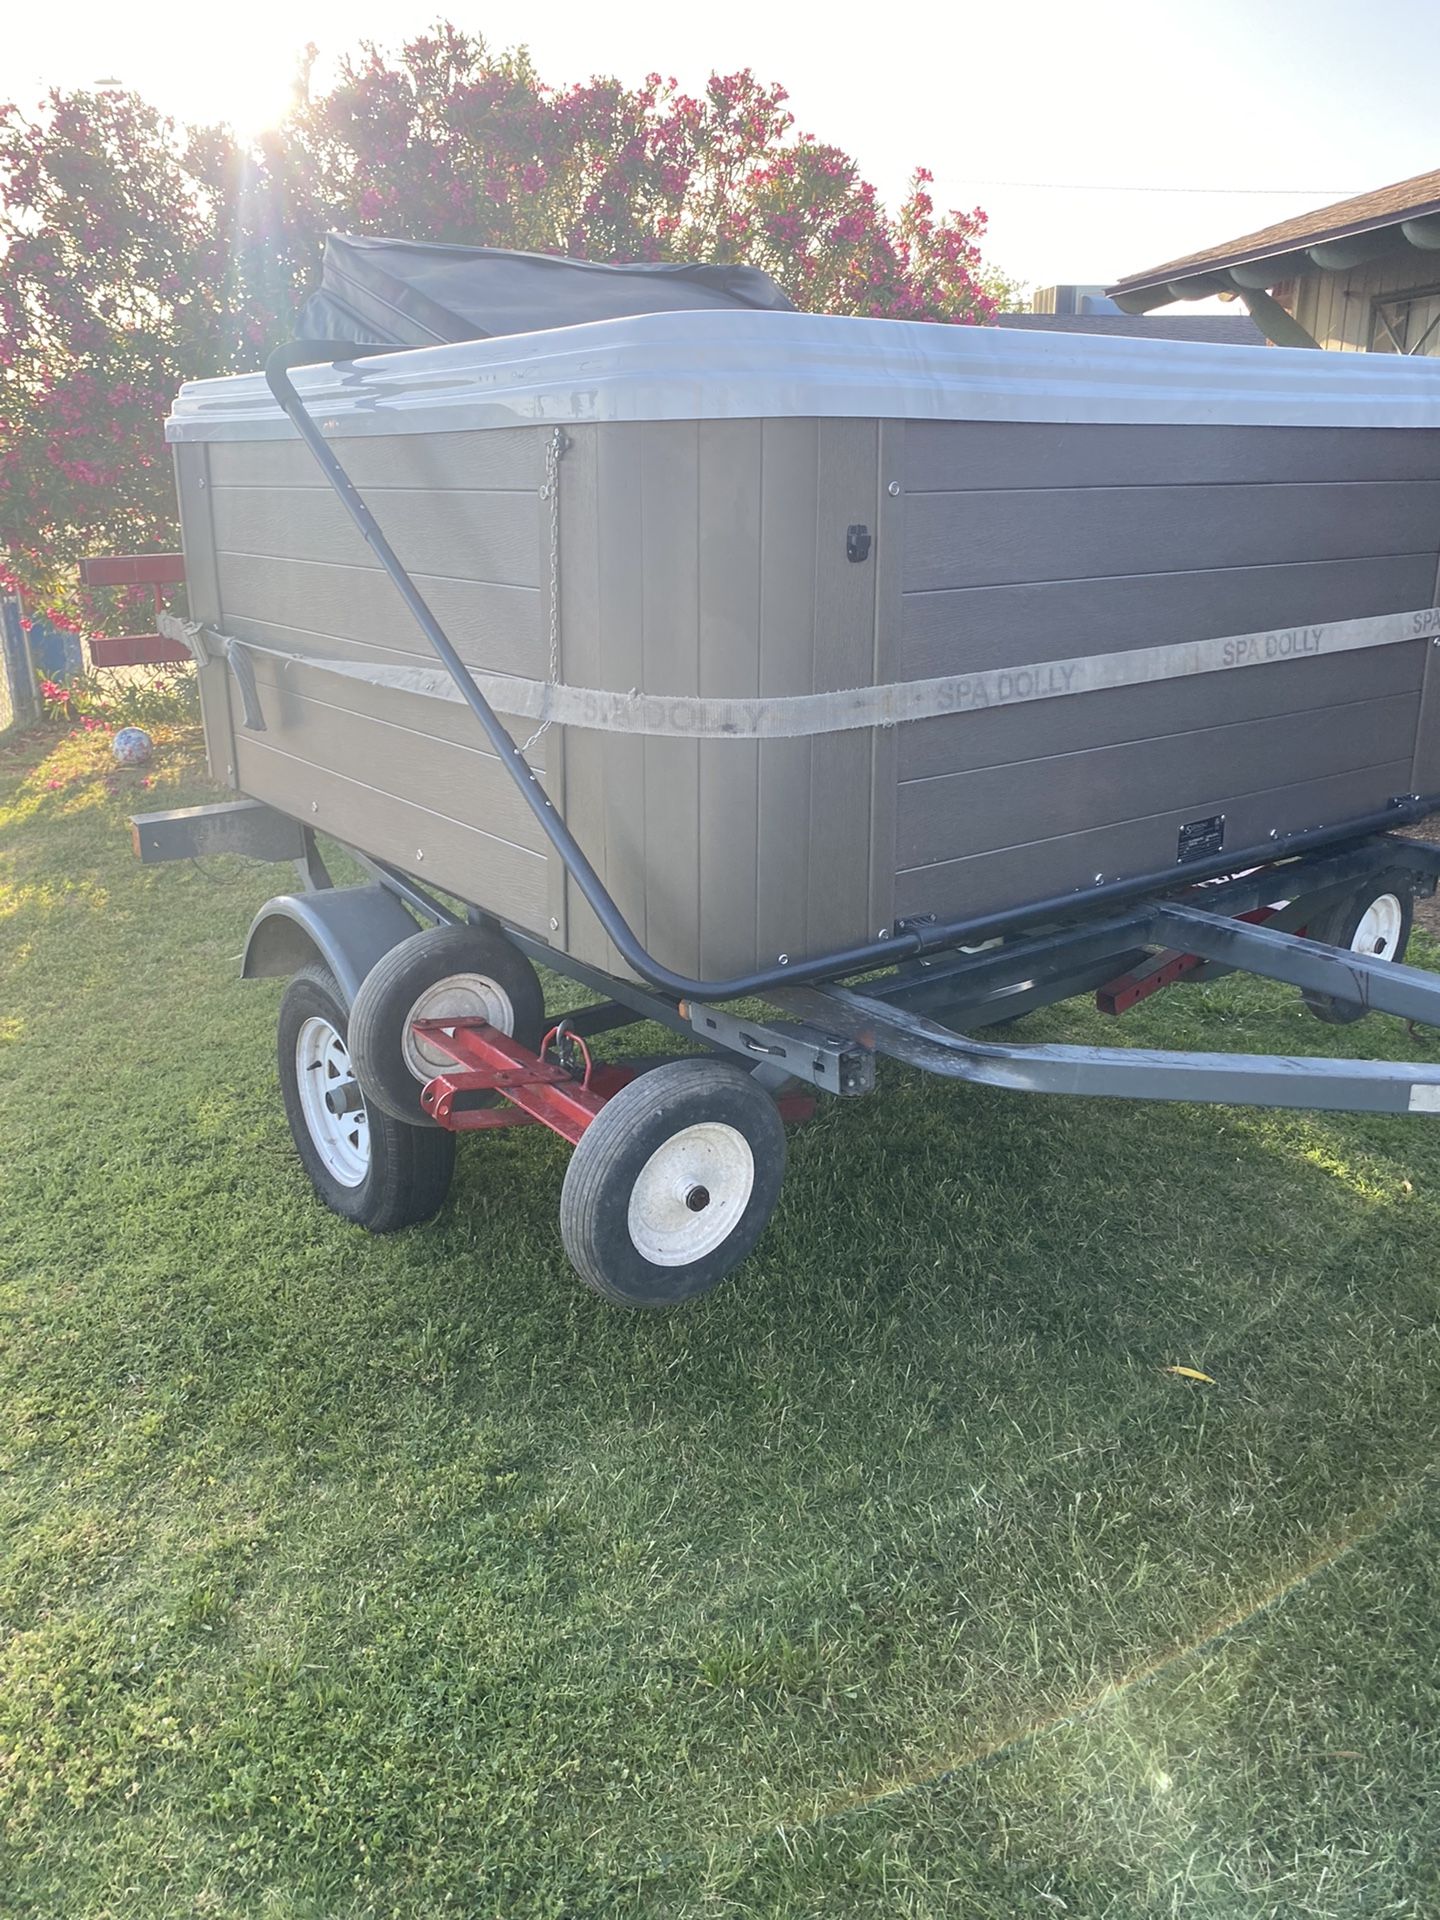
<point x="135" y="253"/>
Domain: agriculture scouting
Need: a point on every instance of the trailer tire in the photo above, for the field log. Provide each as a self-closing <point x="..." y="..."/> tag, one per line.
<point x="374" y="1171"/>
<point x="461" y="970"/>
<point x="672" y="1183"/>
<point x="1374" y="924"/>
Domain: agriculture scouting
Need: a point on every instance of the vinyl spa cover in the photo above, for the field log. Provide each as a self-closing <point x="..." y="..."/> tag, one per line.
<point x="410" y="293"/>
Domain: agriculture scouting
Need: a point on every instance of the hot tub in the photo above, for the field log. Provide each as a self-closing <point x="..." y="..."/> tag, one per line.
<point x="1103" y="606"/>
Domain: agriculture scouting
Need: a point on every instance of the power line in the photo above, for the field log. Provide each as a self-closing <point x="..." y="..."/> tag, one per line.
<point x="1091" y="186"/>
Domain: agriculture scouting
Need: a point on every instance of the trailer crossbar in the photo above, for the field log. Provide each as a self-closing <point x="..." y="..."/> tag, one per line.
<point x="538" y="1092"/>
<point x="489" y="1061"/>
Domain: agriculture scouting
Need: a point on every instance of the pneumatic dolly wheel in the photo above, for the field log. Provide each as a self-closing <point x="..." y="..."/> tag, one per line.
<point x="672" y="1183"/>
<point x="1375" y="924"/>
<point x="468" y="971"/>
<point x="369" y="1168"/>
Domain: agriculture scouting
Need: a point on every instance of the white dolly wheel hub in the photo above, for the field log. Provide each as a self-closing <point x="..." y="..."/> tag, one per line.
<point x="691" y="1194"/>
<point x="331" y="1102"/>
<point x="1380" y="926"/>
<point x="460" y="996"/>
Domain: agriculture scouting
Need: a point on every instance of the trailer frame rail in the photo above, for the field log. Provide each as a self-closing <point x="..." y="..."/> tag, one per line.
<point x="1223" y="927"/>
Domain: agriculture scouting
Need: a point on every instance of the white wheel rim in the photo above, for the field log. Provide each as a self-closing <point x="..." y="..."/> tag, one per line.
<point x="691" y="1194"/>
<point x="1378" y="933"/>
<point x="461" y="996"/>
<point x="322" y="1067"/>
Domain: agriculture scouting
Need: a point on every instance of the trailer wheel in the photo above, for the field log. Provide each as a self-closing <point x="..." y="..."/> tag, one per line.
<point x="672" y="1183"/>
<point x="365" y="1166"/>
<point x="1374" y="924"/>
<point x="468" y="971"/>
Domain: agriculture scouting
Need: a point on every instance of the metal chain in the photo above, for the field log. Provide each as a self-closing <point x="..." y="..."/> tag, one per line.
<point x="550" y="490"/>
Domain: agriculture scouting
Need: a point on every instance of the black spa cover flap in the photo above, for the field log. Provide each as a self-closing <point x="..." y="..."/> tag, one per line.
<point x="409" y="293"/>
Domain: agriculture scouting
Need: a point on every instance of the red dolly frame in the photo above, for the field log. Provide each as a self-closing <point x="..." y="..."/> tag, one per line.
<point x="539" y="1091"/>
<point x="154" y="570"/>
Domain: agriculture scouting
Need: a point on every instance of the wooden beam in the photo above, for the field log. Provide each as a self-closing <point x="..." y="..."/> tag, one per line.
<point x="1280" y="328"/>
<point x="1338" y="256"/>
<point x="1268" y="273"/>
<point x="1145" y="300"/>
<point x="1199" y="286"/>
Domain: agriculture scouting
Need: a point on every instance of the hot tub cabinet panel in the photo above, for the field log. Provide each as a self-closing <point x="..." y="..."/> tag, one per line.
<point x="1070" y="540"/>
<point x="709" y="559"/>
<point x="765" y="505"/>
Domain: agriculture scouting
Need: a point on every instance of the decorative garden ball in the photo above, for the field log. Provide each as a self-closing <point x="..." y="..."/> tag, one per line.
<point x="132" y="746"/>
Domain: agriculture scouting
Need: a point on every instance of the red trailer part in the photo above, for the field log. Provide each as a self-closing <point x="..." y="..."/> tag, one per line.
<point x="538" y="1090"/>
<point x="153" y="570"/>
<point x="1161" y="970"/>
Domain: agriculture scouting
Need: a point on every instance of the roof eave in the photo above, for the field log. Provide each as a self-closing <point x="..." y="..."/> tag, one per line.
<point x="1157" y="278"/>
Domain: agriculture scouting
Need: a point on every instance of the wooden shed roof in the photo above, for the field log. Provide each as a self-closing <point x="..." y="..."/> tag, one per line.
<point x="1364" y="213"/>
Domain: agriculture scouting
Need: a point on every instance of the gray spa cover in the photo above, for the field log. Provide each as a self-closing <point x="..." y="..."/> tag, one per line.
<point x="785" y="366"/>
<point x="411" y="293"/>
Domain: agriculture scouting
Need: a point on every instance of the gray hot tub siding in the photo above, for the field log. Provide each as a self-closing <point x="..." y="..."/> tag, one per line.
<point x="1037" y="542"/>
<point x="709" y="558"/>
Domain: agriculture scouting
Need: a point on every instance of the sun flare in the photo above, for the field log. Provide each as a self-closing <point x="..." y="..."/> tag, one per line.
<point x="255" y="94"/>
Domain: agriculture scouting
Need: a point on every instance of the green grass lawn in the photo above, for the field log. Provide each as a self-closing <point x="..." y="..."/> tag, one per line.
<point x="351" y="1577"/>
